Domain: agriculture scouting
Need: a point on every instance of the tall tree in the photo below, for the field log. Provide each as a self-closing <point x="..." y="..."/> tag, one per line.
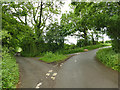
<point x="34" y="13"/>
<point x="12" y="31"/>
<point x="100" y="16"/>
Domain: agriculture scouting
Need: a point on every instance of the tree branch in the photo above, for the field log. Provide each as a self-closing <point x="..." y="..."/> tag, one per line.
<point x="40" y="14"/>
<point x="34" y="16"/>
<point x="19" y="17"/>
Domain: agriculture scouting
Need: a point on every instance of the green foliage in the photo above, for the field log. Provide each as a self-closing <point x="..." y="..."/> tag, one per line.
<point x="95" y="46"/>
<point x="108" y="57"/>
<point x="32" y="48"/>
<point x="10" y="71"/>
<point x="116" y="45"/>
<point x="108" y="41"/>
<point x="99" y="16"/>
<point x="28" y="46"/>
<point x="71" y="51"/>
<point x="51" y="57"/>
<point x="0" y="66"/>
<point x="82" y="42"/>
<point x="114" y="32"/>
<point x="12" y="31"/>
<point x="67" y="46"/>
<point x="55" y="36"/>
<point x="81" y="49"/>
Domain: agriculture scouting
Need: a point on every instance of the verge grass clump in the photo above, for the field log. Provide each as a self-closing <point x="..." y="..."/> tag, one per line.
<point x="10" y="71"/>
<point x="53" y="57"/>
<point x="108" y="57"/>
<point x="81" y="49"/>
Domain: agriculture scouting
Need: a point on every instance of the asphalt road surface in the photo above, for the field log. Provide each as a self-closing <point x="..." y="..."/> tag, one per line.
<point x="80" y="71"/>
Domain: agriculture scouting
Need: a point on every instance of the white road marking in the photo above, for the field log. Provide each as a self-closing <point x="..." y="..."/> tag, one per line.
<point x="53" y="78"/>
<point x="47" y="74"/>
<point x="38" y="85"/>
<point x="50" y="71"/>
<point x="60" y="65"/>
<point x="54" y="74"/>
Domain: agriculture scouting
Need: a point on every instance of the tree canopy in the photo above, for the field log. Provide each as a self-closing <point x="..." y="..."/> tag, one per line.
<point x="31" y="25"/>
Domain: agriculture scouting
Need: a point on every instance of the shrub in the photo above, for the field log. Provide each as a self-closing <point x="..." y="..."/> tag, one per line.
<point x="66" y="46"/>
<point x="10" y="72"/>
<point x="81" y="49"/>
<point x="108" y="41"/>
<point x="108" y="57"/>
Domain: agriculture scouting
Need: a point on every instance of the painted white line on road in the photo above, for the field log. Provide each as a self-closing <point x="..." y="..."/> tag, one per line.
<point x="47" y="74"/>
<point x="60" y="65"/>
<point x="53" y="78"/>
<point x="38" y="85"/>
<point x="50" y="71"/>
<point x="54" y="74"/>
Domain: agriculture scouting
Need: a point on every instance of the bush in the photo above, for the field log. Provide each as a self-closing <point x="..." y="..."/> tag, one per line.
<point x="66" y="46"/>
<point x="116" y="46"/>
<point x="31" y="47"/>
<point x="82" y="42"/>
<point x="108" y="57"/>
<point x="78" y="49"/>
<point x="51" y="57"/>
<point x="10" y="71"/>
<point x="91" y="47"/>
<point x="108" y="41"/>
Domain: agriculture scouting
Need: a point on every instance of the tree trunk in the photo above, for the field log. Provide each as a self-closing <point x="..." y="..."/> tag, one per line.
<point x="97" y="37"/>
<point x="25" y="19"/>
<point x="39" y="24"/>
<point x="85" y="37"/>
<point x="93" y="41"/>
<point x="102" y="37"/>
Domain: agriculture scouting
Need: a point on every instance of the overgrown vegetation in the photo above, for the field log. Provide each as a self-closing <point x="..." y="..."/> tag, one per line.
<point x="51" y="57"/>
<point x="10" y="71"/>
<point x="41" y="37"/>
<point x="61" y="54"/>
<point x="81" y="49"/>
<point x="110" y="58"/>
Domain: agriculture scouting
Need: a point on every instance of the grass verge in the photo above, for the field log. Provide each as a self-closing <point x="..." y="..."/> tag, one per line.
<point x="10" y="71"/>
<point x="78" y="49"/>
<point x="50" y="57"/>
<point x="108" y="57"/>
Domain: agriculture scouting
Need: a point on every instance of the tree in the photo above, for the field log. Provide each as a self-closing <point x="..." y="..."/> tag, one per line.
<point x="100" y="16"/>
<point x="35" y="13"/>
<point x="26" y="14"/>
<point x="55" y="36"/>
<point x="12" y="30"/>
